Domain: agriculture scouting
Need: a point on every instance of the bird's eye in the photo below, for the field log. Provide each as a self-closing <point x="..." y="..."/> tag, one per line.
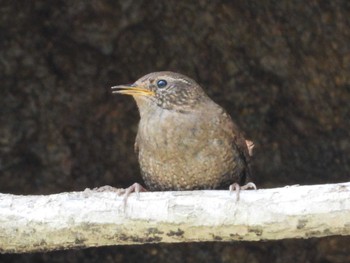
<point x="161" y="83"/>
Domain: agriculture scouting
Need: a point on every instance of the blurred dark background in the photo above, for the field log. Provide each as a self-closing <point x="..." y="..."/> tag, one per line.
<point x="280" y="68"/>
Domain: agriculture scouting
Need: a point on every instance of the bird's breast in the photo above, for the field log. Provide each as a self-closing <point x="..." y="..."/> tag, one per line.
<point x="168" y="133"/>
<point x="181" y="151"/>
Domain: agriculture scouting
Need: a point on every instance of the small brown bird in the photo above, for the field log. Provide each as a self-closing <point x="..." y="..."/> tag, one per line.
<point x="186" y="141"/>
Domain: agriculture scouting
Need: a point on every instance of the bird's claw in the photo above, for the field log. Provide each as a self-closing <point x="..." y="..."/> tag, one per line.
<point x="236" y="187"/>
<point x="136" y="187"/>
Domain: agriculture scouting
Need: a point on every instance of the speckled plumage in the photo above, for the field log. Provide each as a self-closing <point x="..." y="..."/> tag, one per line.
<point x="185" y="140"/>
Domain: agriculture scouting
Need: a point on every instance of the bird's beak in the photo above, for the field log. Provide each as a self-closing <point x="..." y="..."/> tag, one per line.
<point x="132" y="90"/>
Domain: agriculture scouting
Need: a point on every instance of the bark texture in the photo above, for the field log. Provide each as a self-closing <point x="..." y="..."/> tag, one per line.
<point x="89" y="218"/>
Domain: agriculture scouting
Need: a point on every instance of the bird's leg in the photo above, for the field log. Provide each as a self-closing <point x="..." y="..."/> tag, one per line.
<point x="249" y="185"/>
<point x="136" y="187"/>
<point x="236" y="187"/>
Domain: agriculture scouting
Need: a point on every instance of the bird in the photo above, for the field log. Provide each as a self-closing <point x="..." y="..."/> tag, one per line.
<point x="185" y="141"/>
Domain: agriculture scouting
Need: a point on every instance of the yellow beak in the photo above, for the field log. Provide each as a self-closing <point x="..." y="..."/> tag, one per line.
<point x="132" y="90"/>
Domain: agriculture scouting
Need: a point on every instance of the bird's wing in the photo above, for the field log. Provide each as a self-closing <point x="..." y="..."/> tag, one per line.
<point x="240" y="144"/>
<point x="245" y="149"/>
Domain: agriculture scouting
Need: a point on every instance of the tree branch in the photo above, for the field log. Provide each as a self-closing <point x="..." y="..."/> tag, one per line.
<point x="89" y="218"/>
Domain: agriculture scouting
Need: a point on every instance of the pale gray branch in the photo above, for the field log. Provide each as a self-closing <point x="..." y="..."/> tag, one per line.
<point x="89" y="218"/>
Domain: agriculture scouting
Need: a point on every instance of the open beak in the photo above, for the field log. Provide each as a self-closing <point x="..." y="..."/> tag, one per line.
<point x="132" y="90"/>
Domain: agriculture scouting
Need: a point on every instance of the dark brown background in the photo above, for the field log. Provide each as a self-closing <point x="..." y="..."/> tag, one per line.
<point x="281" y="69"/>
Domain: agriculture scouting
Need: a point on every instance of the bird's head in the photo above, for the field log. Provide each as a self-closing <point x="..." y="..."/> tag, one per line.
<point x="167" y="90"/>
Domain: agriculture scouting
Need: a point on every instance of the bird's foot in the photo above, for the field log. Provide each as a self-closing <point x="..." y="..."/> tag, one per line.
<point x="236" y="187"/>
<point x="136" y="187"/>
